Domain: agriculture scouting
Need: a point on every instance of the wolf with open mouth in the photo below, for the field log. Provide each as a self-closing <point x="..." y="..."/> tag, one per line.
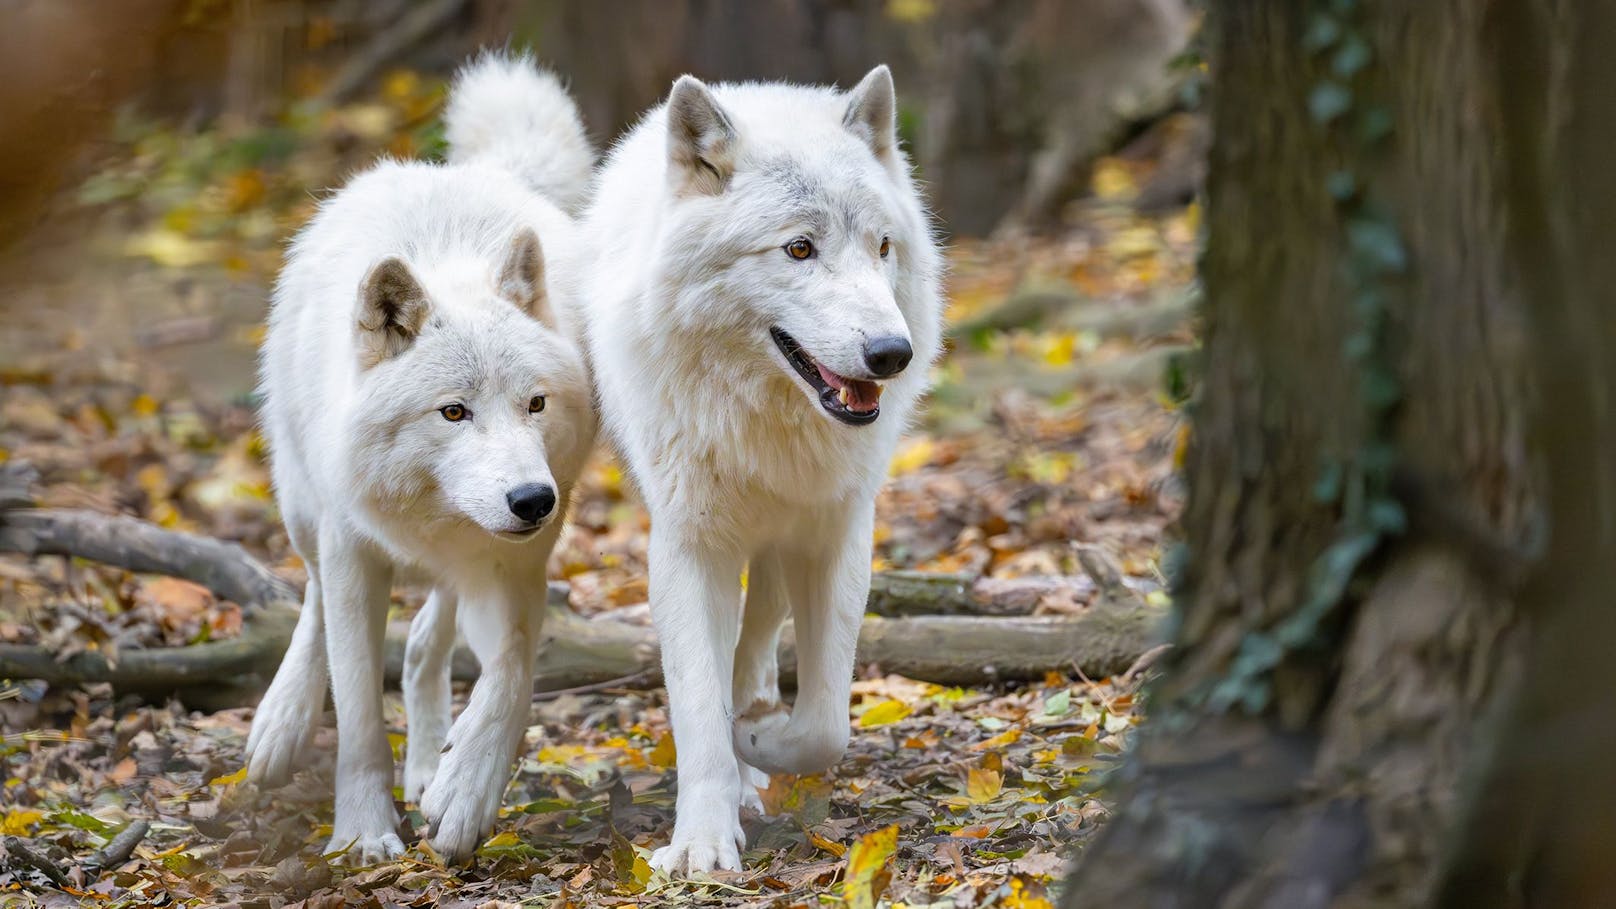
<point x="764" y="307"/>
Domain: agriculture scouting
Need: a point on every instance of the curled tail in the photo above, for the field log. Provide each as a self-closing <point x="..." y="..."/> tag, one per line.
<point x="505" y="109"/>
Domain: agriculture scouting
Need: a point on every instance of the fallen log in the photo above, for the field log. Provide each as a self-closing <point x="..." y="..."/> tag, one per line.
<point x="220" y="672"/>
<point x="950" y="629"/>
<point x="948" y="649"/>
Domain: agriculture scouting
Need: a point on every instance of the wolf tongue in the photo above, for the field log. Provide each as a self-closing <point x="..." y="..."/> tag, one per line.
<point x="856" y="395"/>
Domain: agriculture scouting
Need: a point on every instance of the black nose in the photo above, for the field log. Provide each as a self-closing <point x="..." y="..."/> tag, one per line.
<point x="887" y="356"/>
<point x="531" y="501"/>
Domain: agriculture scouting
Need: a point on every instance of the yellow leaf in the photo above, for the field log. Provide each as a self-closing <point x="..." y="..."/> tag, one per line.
<point x="915" y="454"/>
<point x="831" y="846"/>
<point x="144" y="405"/>
<point x="983" y="785"/>
<point x="1060" y="349"/>
<point x="885" y="713"/>
<point x="20" y="821"/>
<point x="171" y="249"/>
<point x="1021" y="898"/>
<point x="911" y="12"/>
<point x="229" y="778"/>
<point x="502" y="840"/>
<point x="664" y="755"/>
<point x="1007" y="737"/>
<point x="867" y="873"/>
<point x="1113" y="182"/>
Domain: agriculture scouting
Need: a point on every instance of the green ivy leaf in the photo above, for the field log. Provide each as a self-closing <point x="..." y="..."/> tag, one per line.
<point x="1322" y="32"/>
<point x="1350" y="57"/>
<point x="1328" y="101"/>
<point x="1378" y="243"/>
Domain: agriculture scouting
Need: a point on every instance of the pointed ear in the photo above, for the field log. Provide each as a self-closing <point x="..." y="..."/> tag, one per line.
<point x="872" y="112"/>
<point x="521" y="278"/>
<point x="392" y="309"/>
<point x="701" y="139"/>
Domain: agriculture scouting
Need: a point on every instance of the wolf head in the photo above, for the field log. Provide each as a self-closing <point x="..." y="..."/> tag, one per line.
<point x="470" y="401"/>
<point x="792" y="221"/>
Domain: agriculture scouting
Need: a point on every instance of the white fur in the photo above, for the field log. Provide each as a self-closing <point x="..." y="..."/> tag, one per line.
<point x="372" y="479"/>
<point x="506" y="111"/>
<point x="736" y="459"/>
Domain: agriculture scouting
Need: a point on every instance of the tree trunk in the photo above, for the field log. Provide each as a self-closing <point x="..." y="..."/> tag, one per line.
<point x="1401" y="504"/>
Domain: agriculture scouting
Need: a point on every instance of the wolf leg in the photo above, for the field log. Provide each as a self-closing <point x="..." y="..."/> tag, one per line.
<point x="501" y="622"/>
<point x="756" y="690"/>
<point x="354" y="579"/>
<point x="427" y="696"/>
<point x="828" y="588"/>
<point x="289" y="713"/>
<point x="695" y="602"/>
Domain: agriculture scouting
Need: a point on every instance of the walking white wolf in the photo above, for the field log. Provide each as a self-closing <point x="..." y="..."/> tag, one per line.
<point x="762" y="311"/>
<point x="428" y="411"/>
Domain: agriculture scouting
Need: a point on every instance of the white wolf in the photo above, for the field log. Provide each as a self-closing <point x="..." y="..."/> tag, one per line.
<point x="428" y="411"/>
<point x="762" y="314"/>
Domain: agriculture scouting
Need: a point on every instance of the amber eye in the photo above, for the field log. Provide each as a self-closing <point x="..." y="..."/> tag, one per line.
<point x="886" y="247"/>
<point x="536" y="404"/>
<point x="800" y="248"/>
<point x="454" y="413"/>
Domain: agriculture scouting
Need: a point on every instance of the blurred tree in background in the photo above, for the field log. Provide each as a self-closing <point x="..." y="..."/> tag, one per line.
<point x="1005" y="103"/>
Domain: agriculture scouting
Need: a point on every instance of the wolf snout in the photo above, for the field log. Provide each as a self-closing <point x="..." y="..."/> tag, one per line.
<point x="531" y="502"/>
<point x="887" y="356"/>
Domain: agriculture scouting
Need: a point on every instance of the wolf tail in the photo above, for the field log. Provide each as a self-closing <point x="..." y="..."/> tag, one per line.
<point x="504" y="109"/>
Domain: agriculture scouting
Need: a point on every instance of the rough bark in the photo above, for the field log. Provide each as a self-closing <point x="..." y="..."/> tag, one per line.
<point x="1344" y="772"/>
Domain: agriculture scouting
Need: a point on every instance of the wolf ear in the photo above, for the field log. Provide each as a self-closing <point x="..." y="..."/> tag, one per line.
<point x="701" y="139"/>
<point x="392" y="309"/>
<point x="521" y="278"/>
<point x="872" y="112"/>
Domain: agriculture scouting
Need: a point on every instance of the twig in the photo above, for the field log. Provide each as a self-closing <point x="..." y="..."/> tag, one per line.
<point x="422" y="20"/>
<point x="634" y="680"/>
<point x="117" y="851"/>
<point x="1145" y="661"/>
<point x="23" y="854"/>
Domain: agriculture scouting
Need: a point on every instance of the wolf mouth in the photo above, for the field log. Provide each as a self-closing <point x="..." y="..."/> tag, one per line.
<point x="856" y="402"/>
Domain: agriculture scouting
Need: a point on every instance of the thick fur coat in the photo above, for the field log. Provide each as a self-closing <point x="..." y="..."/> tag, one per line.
<point x="763" y="307"/>
<point x="428" y="411"/>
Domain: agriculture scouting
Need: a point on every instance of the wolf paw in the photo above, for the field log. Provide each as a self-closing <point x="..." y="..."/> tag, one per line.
<point x="281" y="735"/>
<point x="418" y="774"/>
<point x="775" y="744"/>
<point x="460" y="806"/>
<point x="751" y="780"/>
<point x="716" y="846"/>
<point x="361" y="851"/>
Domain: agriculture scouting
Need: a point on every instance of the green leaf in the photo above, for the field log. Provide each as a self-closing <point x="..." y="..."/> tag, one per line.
<point x="1328" y="101"/>
<point x="1375" y="125"/>
<point x="1327" y="488"/>
<point x="1387" y="515"/>
<point x="1378" y="243"/>
<point x="1059" y="703"/>
<point x="1350" y="58"/>
<point x="1341" y="185"/>
<point x="1322" y="32"/>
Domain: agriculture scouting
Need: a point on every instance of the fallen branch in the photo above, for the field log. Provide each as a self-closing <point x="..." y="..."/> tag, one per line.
<point x="119" y="849"/>
<point x="23" y="856"/>
<point x="217" y="672"/>
<point x="417" y="23"/>
<point x="950" y="629"/>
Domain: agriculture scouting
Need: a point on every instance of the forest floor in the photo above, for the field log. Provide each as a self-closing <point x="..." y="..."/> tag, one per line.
<point x="132" y="318"/>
